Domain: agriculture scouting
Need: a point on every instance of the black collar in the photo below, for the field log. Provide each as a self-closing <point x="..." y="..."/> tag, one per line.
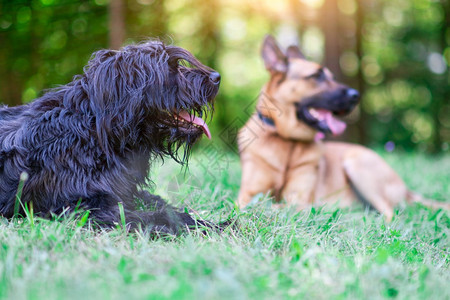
<point x="266" y="120"/>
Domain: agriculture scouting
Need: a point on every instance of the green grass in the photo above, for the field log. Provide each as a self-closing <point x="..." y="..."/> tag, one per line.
<point x="322" y="253"/>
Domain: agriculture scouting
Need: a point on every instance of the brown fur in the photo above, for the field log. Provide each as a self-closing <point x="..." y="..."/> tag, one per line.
<point x="286" y="160"/>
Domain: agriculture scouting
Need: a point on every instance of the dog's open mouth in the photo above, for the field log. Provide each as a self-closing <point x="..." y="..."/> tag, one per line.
<point x="322" y="119"/>
<point x="188" y="121"/>
<point x="320" y="111"/>
<point x="327" y="118"/>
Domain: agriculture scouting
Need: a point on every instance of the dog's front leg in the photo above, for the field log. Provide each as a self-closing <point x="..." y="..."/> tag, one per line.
<point x="299" y="190"/>
<point x="257" y="177"/>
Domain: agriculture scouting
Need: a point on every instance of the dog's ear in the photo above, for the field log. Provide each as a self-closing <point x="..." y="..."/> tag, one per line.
<point x="274" y="59"/>
<point x="294" y="52"/>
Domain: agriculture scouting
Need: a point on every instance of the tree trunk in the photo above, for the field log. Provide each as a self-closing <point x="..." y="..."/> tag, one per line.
<point x="362" y="133"/>
<point x="444" y="91"/>
<point x="330" y="27"/>
<point x="116" y="24"/>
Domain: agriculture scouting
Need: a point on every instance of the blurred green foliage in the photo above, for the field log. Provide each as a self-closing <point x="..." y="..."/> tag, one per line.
<point x="397" y="52"/>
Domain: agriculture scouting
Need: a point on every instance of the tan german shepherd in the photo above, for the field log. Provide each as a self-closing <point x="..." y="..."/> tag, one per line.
<point x="286" y="157"/>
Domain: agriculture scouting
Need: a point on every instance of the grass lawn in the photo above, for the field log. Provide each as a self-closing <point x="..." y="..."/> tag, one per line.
<point x="322" y="253"/>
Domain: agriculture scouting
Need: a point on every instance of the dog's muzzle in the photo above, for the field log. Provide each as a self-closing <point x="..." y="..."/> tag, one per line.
<point x="319" y="111"/>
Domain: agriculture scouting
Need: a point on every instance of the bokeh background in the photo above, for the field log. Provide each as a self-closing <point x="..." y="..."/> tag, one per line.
<point x="396" y="52"/>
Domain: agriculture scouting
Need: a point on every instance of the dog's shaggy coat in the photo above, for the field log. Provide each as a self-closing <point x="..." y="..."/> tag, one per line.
<point x="89" y="143"/>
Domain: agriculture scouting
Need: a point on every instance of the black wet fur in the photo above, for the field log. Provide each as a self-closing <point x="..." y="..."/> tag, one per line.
<point x="94" y="138"/>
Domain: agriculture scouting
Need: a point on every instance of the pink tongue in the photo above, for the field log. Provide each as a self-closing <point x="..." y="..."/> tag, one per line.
<point x="197" y="121"/>
<point x="336" y="126"/>
<point x="319" y="136"/>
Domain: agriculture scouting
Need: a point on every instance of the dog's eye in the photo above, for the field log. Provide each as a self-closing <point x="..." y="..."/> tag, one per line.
<point x="319" y="75"/>
<point x="173" y="63"/>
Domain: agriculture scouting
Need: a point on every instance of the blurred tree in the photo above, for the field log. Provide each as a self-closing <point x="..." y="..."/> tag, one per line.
<point x="396" y="53"/>
<point x="406" y="73"/>
<point x="116" y="24"/>
<point x="46" y="42"/>
<point x="441" y="109"/>
<point x="360" y="84"/>
<point x="147" y="18"/>
<point x="330" y="23"/>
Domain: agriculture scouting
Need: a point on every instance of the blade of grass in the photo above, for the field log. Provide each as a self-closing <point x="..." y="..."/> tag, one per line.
<point x="83" y="219"/>
<point x="122" y="216"/>
<point x="18" y="202"/>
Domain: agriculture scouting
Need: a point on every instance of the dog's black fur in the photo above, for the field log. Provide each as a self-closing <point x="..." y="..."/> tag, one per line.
<point x="93" y="139"/>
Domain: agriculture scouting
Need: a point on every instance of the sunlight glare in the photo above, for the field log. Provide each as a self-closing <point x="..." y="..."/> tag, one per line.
<point x="313" y="3"/>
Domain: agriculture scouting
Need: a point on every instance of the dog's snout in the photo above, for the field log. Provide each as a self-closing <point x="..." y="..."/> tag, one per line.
<point x="353" y="95"/>
<point x="214" y="77"/>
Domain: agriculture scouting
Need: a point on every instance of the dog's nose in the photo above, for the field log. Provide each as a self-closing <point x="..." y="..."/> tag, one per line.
<point x="214" y="77"/>
<point x="353" y="95"/>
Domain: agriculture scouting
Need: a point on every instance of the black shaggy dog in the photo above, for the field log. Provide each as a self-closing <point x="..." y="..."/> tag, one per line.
<point x="89" y="143"/>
